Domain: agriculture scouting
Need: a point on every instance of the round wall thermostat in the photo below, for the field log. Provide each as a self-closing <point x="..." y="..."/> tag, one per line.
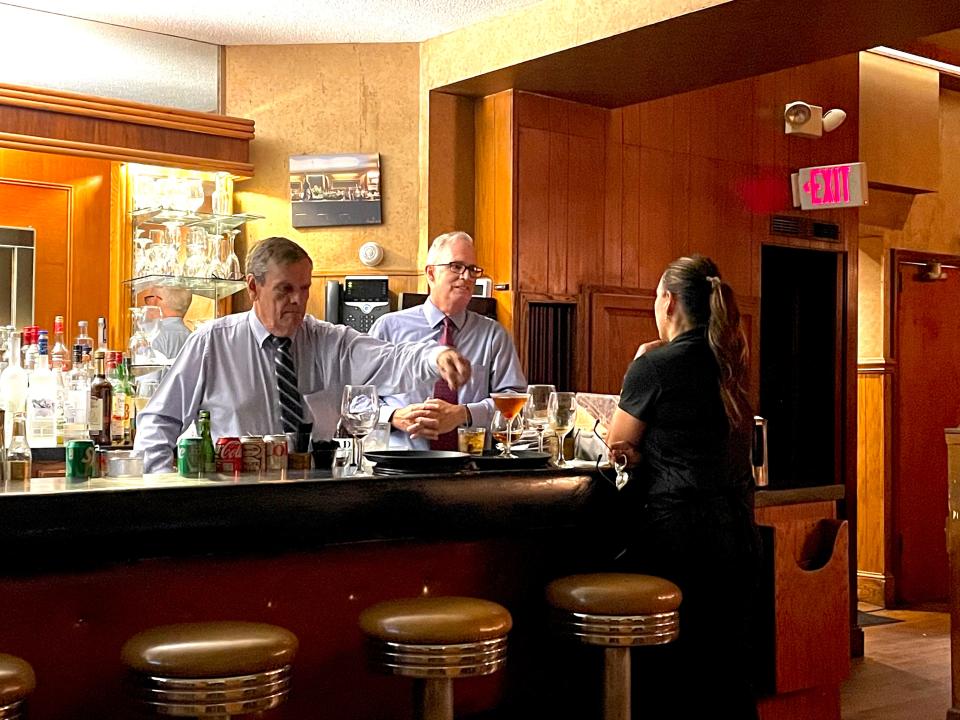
<point x="371" y="254"/>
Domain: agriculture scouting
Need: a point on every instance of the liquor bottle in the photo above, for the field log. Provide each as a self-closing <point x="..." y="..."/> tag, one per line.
<point x="13" y="384"/>
<point x="42" y="399"/>
<point x="207" y="457"/>
<point x="101" y="334"/>
<point x="83" y="337"/>
<point x="101" y="406"/>
<point x="119" y="404"/>
<point x="76" y="408"/>
<point x="19" y="461"/>
<point x="29" y="350"/>
<point x="59" y="353"/>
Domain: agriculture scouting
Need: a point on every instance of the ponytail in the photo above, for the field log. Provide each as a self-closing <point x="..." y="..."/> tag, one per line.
<point x="729" y="346"/>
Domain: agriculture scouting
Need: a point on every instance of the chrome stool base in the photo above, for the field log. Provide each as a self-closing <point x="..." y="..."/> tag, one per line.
<point x="13" y="711"/>
<point x="213" y="697"/>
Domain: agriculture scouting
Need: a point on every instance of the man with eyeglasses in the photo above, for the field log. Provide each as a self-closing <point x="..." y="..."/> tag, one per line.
<point x="429" y="417"/>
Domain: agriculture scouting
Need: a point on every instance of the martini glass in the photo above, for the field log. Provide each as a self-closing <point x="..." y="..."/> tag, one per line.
<point x="509" y="404"/>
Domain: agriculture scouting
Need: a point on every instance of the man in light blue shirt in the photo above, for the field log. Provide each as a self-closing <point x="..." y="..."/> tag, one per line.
<point x="231" y="366"/>
<point x="419" y="417"/>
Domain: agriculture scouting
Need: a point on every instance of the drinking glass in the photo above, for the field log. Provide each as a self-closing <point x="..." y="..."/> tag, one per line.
<point x="359" y="413"/>
<point x="535" y="411"/>
<point x="503" y="430"/>
<point x="232" y="263"/>
<point x="509" y="404"/>
<point x="562" y="412"/>
<point x="193" y="196"/>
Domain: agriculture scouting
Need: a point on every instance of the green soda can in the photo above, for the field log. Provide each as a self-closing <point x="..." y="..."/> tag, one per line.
<point x="189" y="457"/>
<point x="81" y="461"/>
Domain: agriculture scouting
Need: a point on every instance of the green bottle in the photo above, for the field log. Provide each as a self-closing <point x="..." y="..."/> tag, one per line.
<point x="207" y="459"/>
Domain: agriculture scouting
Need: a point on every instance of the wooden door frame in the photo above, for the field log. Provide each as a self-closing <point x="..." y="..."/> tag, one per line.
<point x="893" y="286"/>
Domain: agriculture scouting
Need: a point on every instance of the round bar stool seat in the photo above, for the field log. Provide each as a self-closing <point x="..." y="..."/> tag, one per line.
<point x="17" y="681"/>
<point x="618" y="611"/>
<point x="211" y="669"/>
<point x="435" y="639"/>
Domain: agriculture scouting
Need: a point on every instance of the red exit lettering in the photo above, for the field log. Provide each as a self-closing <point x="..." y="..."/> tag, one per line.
<point x="828" y="185"/>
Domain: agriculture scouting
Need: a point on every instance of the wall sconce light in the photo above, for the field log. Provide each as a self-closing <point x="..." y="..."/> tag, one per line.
<point x="805" y="120"/>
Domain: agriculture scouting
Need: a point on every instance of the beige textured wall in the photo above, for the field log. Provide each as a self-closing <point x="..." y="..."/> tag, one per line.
<point x="928" y="222"/>
<point x="327" y="99"/>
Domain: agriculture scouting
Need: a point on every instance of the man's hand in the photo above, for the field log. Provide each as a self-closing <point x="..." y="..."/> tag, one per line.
<point x="430" y="419"/>
<point x="647" y="347"/>
<point x="454" y="368"/>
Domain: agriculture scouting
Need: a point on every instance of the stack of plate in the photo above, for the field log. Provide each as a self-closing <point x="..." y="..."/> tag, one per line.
<point x="417" y="462"/>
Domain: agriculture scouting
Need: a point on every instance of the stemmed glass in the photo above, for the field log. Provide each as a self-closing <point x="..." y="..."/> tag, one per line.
<point x="359" y="413"/>
<point x="562" y="412"/>
<point x="509" y="404"/>
<point x="193" y="196"/>
<point x="197" y="264"/>
<point x="232" y="263"/>
<point x="535" y="411"/>
<point x="500" y="427"/>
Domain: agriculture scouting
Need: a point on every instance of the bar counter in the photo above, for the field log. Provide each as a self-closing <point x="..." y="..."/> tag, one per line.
<point x="85" y="566"/>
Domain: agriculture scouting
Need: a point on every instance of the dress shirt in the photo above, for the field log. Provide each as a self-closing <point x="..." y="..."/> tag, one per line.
<point x="482" y="341"/>
<point x="170" y="337"/>
<point x="227" y="367"/>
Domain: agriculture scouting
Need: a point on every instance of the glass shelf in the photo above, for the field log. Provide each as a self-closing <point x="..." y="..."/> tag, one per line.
<point x="212" y="288"/>
<point x="207" y="221"/>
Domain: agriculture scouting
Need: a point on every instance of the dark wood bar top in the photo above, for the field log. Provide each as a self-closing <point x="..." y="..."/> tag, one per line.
<point x="768" y="497"/>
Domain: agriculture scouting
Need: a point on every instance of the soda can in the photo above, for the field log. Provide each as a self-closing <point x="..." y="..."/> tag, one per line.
<point x="189" y="457"/>
<point x="81" y="461"/>
<point x="253" y="452"/>
<point x="276" y="451"/>
<point x="229" y="455"/>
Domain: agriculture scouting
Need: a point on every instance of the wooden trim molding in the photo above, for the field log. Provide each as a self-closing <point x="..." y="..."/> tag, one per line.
<point x="32" y="143"/>
<point x="125" y="111"/>
<point x="876" y="366"/>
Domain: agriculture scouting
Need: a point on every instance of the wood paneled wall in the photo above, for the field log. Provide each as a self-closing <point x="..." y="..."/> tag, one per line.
<point x="874" y="396"/>
<point x="496" y="249"/>
<point x="67" y="201"/>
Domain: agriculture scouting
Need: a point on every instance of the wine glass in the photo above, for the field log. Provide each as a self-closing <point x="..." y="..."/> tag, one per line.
<point x="232" y="263"/>
<point x="193" y="196"/>
<point x="139" y="345"/>
<point x="509" y="404"/>
<point x="359" y="413"/>
<point x="535" y="411"/>
<point x="500" y="427"/>
<point x="562" y="412"/>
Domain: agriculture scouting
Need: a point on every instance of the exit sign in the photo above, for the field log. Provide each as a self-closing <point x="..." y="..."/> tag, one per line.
<point x="830" y="186"/>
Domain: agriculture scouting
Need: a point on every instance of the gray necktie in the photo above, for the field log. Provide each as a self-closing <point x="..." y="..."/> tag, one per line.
<point x="291" y="403"/>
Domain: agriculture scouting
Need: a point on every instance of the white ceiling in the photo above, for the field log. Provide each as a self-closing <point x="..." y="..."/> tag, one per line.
<point x="273" y="22"/>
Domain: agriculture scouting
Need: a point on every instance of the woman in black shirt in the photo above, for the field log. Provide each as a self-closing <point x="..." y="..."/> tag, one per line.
<point x="684" y="424"/>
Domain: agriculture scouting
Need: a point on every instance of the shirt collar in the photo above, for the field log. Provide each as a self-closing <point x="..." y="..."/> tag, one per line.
<point x="435" y="316"/>
<point x="260" y="333"/>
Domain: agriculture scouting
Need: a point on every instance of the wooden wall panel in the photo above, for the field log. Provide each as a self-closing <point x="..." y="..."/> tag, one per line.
<point x="629" y="318"/>
<point x="452" y="166"/>
<point x="533" y="208"/>
<point x="585" y="213"/>
<point x="68" y="201"/>
<point x="494" y="158"/>
<point x="613" y="206"/>
<point x="557" y="249"/>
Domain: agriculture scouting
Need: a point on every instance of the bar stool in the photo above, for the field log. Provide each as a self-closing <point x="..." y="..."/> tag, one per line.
<point x="210" y="669"/>
<point x="617" y="611"/>
<point x="433" y="640"/>
<point x="17" y="681"/>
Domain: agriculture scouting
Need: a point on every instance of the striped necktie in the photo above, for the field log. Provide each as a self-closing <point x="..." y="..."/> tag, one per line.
<point x="291" y="403"/>
<point x="442" y="391"/>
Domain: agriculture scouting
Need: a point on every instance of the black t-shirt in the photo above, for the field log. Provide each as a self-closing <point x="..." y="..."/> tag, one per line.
<point x="688" y="453"/>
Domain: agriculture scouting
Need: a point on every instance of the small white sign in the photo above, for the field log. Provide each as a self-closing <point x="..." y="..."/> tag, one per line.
<point x="830" y="186"/>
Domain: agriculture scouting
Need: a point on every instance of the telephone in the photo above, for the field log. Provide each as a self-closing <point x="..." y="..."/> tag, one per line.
<point x="357" y="302"/>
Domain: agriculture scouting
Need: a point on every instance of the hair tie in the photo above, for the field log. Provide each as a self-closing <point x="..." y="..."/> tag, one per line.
<point x="714" y="281"/>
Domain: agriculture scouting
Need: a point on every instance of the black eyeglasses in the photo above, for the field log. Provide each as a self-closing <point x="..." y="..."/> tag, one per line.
<point x="458" y="268"/>
<point x="619" y="464"/>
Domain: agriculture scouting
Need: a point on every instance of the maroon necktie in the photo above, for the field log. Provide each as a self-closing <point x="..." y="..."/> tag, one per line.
<point x="442" y="391"/>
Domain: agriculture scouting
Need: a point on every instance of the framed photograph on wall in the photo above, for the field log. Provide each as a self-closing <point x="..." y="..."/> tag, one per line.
<point x="341" y="189"/>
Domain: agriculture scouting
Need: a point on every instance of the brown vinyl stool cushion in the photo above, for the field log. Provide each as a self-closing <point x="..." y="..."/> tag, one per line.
<point x="17" y="680"/>
<point x="210" y="649"/>
<point x="614" y="594"/>
<point x="436" y="620"/>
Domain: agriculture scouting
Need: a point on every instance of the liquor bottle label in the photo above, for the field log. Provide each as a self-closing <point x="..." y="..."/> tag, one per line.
<point x="95" y="418"/>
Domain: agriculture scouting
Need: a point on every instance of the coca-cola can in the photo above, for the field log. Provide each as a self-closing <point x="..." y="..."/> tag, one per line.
<point x="276" y="451"/>
<point x="229" y="453"/>
<point x="253" y="453"/>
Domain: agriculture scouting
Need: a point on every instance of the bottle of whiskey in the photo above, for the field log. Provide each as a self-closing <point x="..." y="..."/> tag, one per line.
<point x="101" y="406"/>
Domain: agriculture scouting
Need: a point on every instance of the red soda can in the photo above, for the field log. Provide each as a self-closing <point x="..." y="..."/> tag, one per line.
<point x="276" y="451"/>
<point x="253" y="453"/>
<point x="229" y="454"/>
